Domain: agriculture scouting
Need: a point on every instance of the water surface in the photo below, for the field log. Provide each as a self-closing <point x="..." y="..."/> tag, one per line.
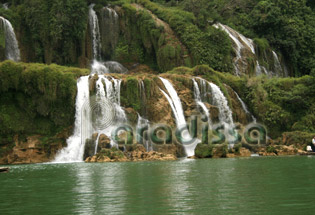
<point x="279" y="185"/>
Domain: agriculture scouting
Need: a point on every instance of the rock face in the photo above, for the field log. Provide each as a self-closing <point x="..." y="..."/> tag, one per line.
<point x="136" y="153"/>
<point x="32" y="150"/>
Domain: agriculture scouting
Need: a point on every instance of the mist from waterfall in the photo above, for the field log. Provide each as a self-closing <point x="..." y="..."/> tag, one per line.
<point x="12" y="51"/>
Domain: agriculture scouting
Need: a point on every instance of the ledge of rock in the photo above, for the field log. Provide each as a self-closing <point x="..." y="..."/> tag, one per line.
<point x="137" y="153"/>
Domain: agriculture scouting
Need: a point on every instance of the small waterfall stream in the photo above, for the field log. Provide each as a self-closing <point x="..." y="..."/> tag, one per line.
<point x="5" y="6"/>
<point x="240" y="43"/>
<point x="244" y="48"/>
<point x="219" y="100"/>
<point x="244" y="106"/>
<point x="197" y="95"/>
<point x="95" y="31"/>
<point x="178" y="112"/>
<point x="12" y="51"/>
<point x="142" y="122"/>
<point x="175" y="102"/>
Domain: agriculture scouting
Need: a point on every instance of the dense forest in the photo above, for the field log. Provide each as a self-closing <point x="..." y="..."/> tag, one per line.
<point x="53" y="31"/>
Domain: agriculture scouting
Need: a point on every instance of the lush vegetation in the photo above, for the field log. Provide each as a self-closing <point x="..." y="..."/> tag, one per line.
<point x="36" y="99"/>
<point x="288" y="25"/>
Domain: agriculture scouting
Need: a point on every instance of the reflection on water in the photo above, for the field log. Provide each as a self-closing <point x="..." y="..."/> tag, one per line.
<point x="215" y="186"/>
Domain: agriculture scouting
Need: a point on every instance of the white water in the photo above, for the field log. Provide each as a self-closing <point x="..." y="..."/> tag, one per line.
<point x="12" y="51"/>
<point x="225" y="113"/>
<point x="98" y="68"/>
<point x="260" y="69"/>
<point x="75" y="146"/>
<point x="95" y="30"/>
<point x="5" y="6"/>
<point x="83" y="122"/>
<point x="178" y="112"/>
<point x="141" y="123"/>
<point x="175" y="102"/>
<point x="197" y="94"/>
<point x="111" y="26"/>
<point x="240" y="43"/>
<point x="278" y="66"/>
<point x="109" y="92"/>
<point x="244" y="106"/>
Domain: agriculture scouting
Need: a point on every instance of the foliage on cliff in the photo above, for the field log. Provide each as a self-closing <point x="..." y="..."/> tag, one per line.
<point x="288" y="26"/>
<point x="36" y="99"/>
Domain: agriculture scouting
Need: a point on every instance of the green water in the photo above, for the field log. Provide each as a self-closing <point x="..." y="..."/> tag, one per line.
<point x="281" y="185"/>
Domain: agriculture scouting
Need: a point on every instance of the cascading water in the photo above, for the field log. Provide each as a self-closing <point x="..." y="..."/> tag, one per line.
<point x="197" y="95"/>
<point x="142" y="122"/>
<point x="245" y="48"/>
<point x="5" y="6"/>
<point x="277" y="65"/>
<point x="107" y="89"/>
<point x="109" y="26"/>
<point x="95" y="31"/>
<point x="225" y="113"/>
<point x="175" y="102"/>
<point x="110" y="92"/>
<point x="99" y="67"/>
<point x="244" y="106"/>
<point x="12" y="51"/>
<point x="178" y="112"/>
<point x="75" y="148"/>
<point x="260" y="69"/>
<point x="240" y="43"/>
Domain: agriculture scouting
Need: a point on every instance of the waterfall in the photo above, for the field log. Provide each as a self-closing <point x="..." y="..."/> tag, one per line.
<point x="107" y="89"/>
<point x="244" y="106"/>
<point x="244" y="48"/>
<point x="12" y="51"/>
<point x="109" y="26"/>
<point x="99" y="67"/>
<point x="142" y="122"/>
<point x="5" y="6"/>
<point x="225" y="113"/>
<point x="143" y="98"/>
<point x="175" y="102"/>
<point x="260" y="69"/>
<point x="109" y="92"/>
<point x="95" y="31"/>
<point x="278" y="67"/>
<point x="240" y="42"/>
<point x="197" y="95"/>
<point x="178" y="112"/>
<point x="75" y="146"/>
